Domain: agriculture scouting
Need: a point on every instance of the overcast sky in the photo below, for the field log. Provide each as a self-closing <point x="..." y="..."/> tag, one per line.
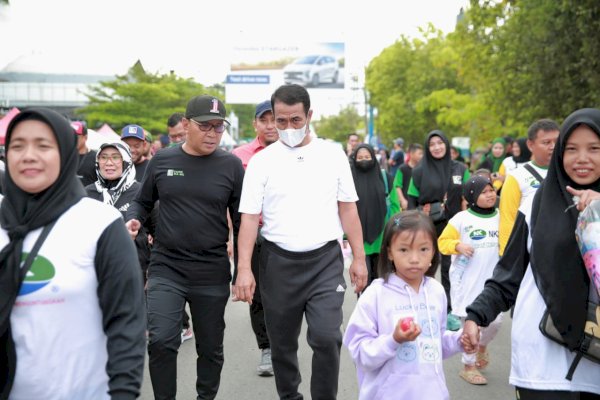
<point x="195" y="38"/>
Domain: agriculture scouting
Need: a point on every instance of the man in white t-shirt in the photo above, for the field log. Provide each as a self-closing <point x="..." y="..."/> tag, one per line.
<point x="526" y="179"/>
<point x="304" y="189"/>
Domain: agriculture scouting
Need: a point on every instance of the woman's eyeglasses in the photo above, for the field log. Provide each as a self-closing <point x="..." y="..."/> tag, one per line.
<point x="115" y="158"/>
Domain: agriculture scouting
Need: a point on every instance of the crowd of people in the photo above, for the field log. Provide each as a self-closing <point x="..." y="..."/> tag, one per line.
<point x="154" y="233"/>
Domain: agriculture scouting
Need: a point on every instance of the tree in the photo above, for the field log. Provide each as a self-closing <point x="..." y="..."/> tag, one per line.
<point x="402" y="77"/>
<point x="142" y="98"/>
<point x="337" y="127"/>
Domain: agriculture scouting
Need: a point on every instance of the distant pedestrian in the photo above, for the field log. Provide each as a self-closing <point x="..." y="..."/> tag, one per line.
<point x="266" y="135"/>
<point x="436" y="188"/>
<point x="86" y="169"/>
<point x="404" y="174"/>
<point x="372" y="202"/>
<point x="135" y="137"/>
<point x="396" y="156"/>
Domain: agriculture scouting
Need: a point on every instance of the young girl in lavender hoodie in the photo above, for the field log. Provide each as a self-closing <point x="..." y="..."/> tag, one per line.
<point x="397" y="333"/>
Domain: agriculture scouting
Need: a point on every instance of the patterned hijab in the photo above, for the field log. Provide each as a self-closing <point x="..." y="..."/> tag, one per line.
<point x="112" y="190"/>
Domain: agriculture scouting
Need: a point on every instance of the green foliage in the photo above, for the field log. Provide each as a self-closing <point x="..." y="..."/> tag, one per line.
<point x="508" y="63"/>
<point x="141" y="98"/>
<point x="338" y="127"/>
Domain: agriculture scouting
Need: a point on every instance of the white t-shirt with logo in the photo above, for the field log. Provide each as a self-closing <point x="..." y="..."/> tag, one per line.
<point x="537" y="362"/>
<point x="481" y="233"/>
<point x="297" y="191"/>
<point x="57" y="317"/>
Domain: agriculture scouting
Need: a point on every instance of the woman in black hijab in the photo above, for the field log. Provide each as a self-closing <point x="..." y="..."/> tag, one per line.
<point x="72" y="326"/>
<point x="437" y="184"/>
<point x="372" y="206"/>
<point x="550" y="273"/>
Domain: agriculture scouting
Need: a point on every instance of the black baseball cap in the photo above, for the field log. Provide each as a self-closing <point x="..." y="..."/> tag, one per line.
<point x="205" y="108"/>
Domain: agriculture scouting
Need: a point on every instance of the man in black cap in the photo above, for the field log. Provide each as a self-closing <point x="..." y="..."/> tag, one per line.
<point x="197" y="185"/>
<point x="266" y="134"/>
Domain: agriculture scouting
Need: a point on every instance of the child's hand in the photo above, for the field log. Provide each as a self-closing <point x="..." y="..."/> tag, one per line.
<point x="465" y="249"/>
<point x="406" y="331"/>
<point x="468" y="347"/>
<point x="470" y="337"/>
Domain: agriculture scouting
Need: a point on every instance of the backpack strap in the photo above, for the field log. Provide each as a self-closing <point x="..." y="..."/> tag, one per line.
<point x="533" y="172"/>
<point x="34" y="251"/>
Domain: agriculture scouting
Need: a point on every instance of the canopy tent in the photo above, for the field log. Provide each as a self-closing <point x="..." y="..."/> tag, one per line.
<point x="106" y="130"/>
<point x="5" y="121"/>
<point x="227" y="140"/>
<point x="97" y="138"/>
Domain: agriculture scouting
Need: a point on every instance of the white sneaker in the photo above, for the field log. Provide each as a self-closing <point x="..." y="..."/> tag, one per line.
<point x="265" y="368"/>
<point x="187" y="334"/>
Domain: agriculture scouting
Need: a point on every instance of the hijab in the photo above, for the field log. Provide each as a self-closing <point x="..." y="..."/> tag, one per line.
<point x="525" y="153"/>
<point x="491" y="162"/>
<point x="432" y="176"/>
<point x="472" y="189"/>
<point x="556" y="261"/>
<point x="112" y="189"/>
<point x="370" y="188"/>
<point x="22" y="212"/>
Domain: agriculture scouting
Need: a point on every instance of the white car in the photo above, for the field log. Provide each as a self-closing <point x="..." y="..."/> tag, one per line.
<point x="312" y="70"/>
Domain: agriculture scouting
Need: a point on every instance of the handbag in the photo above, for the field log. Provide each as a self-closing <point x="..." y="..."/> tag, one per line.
<point x="437" y="211"/>
<point x="590" y="345"/>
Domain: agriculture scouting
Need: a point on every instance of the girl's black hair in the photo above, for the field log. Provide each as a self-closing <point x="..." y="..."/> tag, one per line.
<point x="412" y="221"/>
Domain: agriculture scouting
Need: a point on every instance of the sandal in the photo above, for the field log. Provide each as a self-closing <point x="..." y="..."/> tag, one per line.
<point x="483" y="359"/>
<point x="473" y="376"/>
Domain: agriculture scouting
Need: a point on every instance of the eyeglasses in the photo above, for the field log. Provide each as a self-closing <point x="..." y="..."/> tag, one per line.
<point x="115" y="158"/>
<point x="207" y="126"/>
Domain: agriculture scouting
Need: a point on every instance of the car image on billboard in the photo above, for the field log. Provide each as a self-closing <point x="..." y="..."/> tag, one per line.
<point x="312" y="70"/>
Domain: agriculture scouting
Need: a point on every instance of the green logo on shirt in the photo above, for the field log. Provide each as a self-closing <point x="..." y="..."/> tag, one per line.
<point x="478" y="234"/>
<point x="174" y="172"/>
<point x="39" y="275"/>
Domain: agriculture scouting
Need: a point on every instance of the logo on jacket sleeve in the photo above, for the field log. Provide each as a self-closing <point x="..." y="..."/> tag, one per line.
<point x="39" y="275"/>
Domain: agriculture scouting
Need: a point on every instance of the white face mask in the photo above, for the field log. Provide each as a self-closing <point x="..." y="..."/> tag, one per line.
<point x="292" y="137"/>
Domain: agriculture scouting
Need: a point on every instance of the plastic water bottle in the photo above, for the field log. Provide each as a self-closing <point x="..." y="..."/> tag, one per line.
<point x="458" y="268"/>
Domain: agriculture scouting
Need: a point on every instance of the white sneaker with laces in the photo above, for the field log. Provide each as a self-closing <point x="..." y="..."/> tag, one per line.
<point x="187" y="334"/>
<point x="265" y="368"/>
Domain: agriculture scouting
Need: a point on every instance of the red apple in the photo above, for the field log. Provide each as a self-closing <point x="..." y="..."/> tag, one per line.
<point x="405" y="323"/>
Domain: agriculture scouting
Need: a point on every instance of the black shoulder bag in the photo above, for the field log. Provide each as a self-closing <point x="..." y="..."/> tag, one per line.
<point x="590" y="345"/>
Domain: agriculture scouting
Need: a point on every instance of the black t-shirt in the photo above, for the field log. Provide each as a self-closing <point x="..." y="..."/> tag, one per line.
<point x="140" y="169"/>
<point x="87" y="168"/>
<point x="122" y="204"/>
<point x="190" y="242"/>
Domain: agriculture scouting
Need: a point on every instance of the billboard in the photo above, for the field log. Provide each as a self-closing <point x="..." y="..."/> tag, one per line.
<point x="257" y="70"/>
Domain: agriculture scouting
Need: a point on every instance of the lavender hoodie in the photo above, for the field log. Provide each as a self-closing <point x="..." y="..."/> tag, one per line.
<point x="411" y="370"/>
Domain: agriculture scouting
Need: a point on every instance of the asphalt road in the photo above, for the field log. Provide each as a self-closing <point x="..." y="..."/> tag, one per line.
<point x="240" y="382"/>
